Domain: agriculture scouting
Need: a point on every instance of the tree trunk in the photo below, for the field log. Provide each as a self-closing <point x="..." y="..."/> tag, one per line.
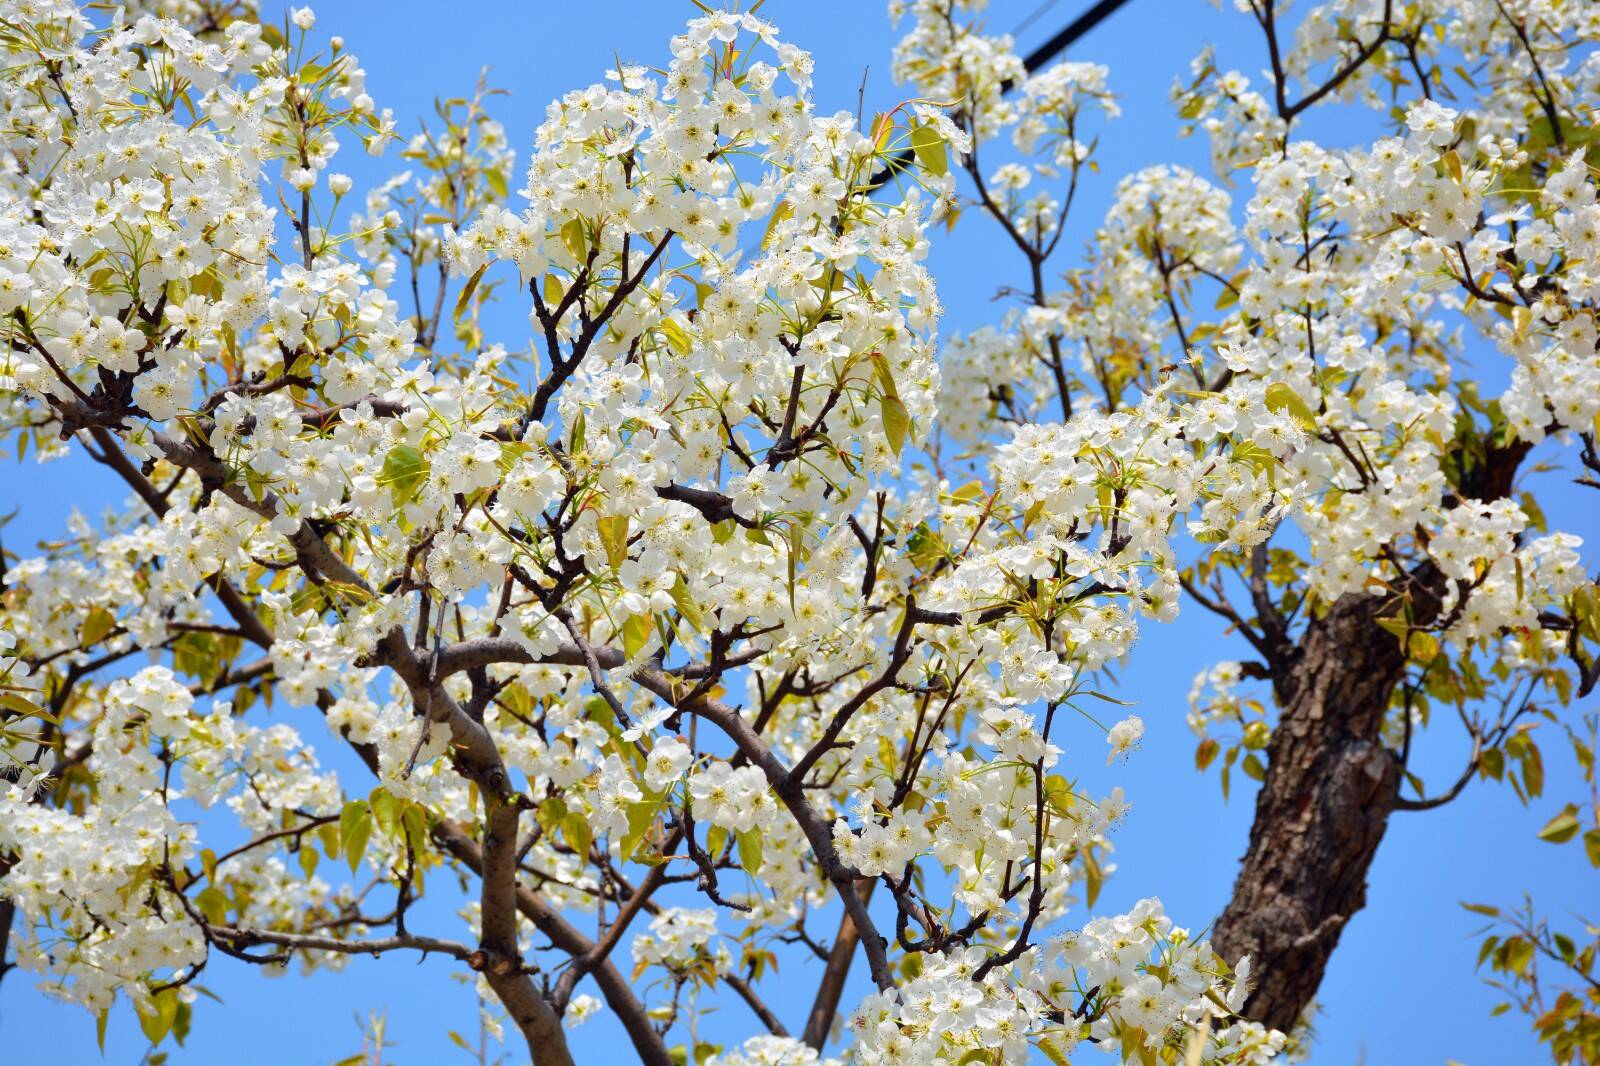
<point x="1322" y="810"/>
<point x="1331" y="783"/>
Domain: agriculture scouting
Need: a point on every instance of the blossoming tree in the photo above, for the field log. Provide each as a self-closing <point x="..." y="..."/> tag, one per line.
<point x="676" y="632"/>
<point x="657" y="638"/>
<point x="1413" y="575"/>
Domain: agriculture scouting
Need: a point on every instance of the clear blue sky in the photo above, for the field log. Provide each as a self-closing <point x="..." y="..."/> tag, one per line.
<point x="1401" y="990"/>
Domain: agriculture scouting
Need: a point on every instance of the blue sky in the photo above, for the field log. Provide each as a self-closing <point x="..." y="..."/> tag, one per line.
<point x="1401" y="989"/>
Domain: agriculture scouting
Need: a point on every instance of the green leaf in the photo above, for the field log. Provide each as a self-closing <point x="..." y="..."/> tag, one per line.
<point x="882" y="129"/>
<point x="550" y="813"/>
<point x="1532" y="770"/>
<point x="783" y="210"/>
<point x="1058" y="795"/>
<point x="896" y="421"/>
<point x="929" y="147"/>
<point x="1483" y="908"/>
<point x="1253" y="767"/>
<point x="885" y="376"/>
<point x="1422" y="647"/>
<point x="403" y="470"/>
<point x="465" y="299"/>
<point x="686" y="606"/>
<point x="1396" y="625"/>
<point x="553" y="290"/>
<point x="635" y="634"/>
<point x="1492" y="764"/>
<point x="1094" y="878"/>
<point x="214" y="905"/>
<point x="328" y="835"/>
<point x="96" y="625"/>
<point x="385" y="808"/>
<point x="1280" y="397"/>
<point x="641" y="816"/>
<point x="614" y="535"/>
<point x="925" y="547"/>
<point x="750" y="843"/>
<point x="575" y="830"/>
<point x="572" y="236"/>
<point x="17" y="705"/>
<point x="414" y="825"/>
<point x="1562" y="828"/>
<point x="355" y="829"/>
<point x="157" y="1022"/>
<point x="1054" y="1054"/>
<point x="1586" y="609"/>
<point x="180" y="1025"/>
<point x="676" y="336"/>
<point x="1591" y="846"/>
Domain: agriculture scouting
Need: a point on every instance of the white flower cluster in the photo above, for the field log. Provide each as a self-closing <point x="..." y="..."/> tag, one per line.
<point x="1132" y="979"/>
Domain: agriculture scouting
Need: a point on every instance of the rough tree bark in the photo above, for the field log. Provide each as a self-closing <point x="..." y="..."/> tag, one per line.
<point x="1331" y="782"/>
<point x="1323" y="808"/>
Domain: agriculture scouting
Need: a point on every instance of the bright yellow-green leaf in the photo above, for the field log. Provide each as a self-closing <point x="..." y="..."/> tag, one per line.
<point x="355" y="829"/>
<point x="929" y="147"/>
<point x="465" y="299"/>
<point x="1562" y="828"/>
<point x="1422" y="647"/>
<point x="553" y="290"/>
<point x="635" y="634"/>
<point x="1398" y="626"/>
<point x="572" y="236"/>
<point x="96" y="625"/>
<point x="212" y="903"/>
<point x="1281" y="396"/>
<point x="328" y="835"/>
<point x="575" y="830"/>
<point x="676" y="336"/>
<point x="614" y="535"/>
<point x="156" y="1022"/>
<point x="641" y="816"/>
<point x="686" y="606"/>
<point x="403" y="470"/>
<point x="1253" y="767"/>
<point x="784" y="209"/>
<point x="750" y="856"/>
<point x="971" y="492"/>
<point x="896" y="422"/>
<point x="716" y="838"/>
<point x="16" y="704"/>
<point x="386" y="808"/>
